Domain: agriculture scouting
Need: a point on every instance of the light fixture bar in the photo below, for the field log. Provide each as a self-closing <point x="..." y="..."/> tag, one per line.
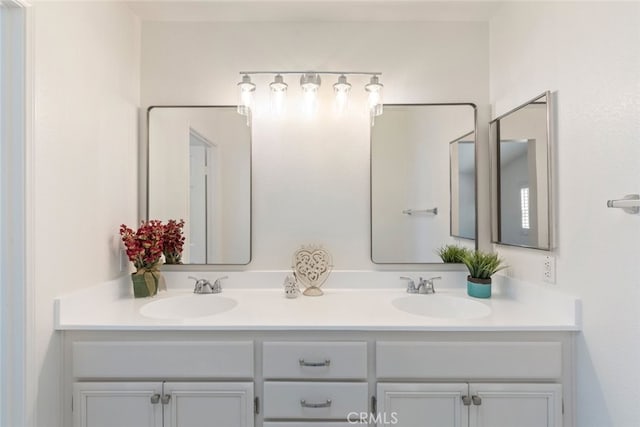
<point x="351" y="73"/>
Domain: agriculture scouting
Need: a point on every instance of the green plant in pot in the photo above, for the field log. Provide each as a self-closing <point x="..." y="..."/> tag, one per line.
<point x="481" y="266"/>
<point x="452" y="253"/>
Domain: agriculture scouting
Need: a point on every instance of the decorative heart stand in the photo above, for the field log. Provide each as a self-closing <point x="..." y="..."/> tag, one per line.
<point x="312" y="265"/>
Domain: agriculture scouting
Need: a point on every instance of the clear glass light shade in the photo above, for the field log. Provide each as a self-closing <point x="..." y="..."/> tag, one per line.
<point x="278" y="95"/>
<point x="310" y="83"/>
<point x="341" y="91"/>
<point x="246" y="90"/>
<point x="374" y="89"/>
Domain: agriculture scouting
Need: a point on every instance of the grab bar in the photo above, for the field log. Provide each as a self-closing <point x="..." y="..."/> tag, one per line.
<point x="630" y="203"/>
<point x="420" y="211"/>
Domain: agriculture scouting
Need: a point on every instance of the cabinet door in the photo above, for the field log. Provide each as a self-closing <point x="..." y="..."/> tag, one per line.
<point x="422" y="405"/>
<point x="207" y="404"/>
<point x="117" y="404"/>
<point x="516" y="405"/>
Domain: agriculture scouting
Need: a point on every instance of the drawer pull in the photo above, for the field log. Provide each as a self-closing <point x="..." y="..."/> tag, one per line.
<point x="326" y="362"/>
<point x="326" y="404"/>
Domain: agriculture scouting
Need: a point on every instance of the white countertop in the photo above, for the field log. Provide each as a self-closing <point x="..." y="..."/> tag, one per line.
<point x="514" y="307"/>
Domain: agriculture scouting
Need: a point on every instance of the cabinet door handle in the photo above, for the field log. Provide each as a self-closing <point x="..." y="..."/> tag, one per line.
<point x="155" y="399"/>
<point x="303" y="362"/>
<point x="476" y="400"/>
<point x="166" y="398"/>
<point x="466" y="400"/>
<point x="326" y="404"/>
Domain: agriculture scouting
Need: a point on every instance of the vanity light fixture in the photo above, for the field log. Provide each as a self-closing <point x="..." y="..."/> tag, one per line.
<point x="374" y="88"/>
<point x="246" y="90"/>
<point x="278" y="94"/>
<point x="341" y="90"/>
<point x="310" y="82"/>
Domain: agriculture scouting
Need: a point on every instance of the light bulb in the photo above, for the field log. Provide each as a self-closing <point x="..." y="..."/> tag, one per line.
<point x="278" y="95"/>
<point x="374" y="88"/>
<point x="310" y="82"/>
<point x="341" y="90"/>
<point x="246" y="90"/>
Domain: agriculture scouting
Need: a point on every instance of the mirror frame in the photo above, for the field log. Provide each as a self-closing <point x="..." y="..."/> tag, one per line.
<point x="494" y="141"/>
<point x="204" y="267"/>
<point x="476" y="151"/>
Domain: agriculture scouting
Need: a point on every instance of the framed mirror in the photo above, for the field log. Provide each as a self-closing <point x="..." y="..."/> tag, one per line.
<point x="520" y="150"/>
<point x="416" y="204"/>
<point x="199" y="170"/>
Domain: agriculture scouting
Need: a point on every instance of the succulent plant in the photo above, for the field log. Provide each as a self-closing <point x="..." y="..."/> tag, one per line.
<point x="482" y="265"/>
<point x="452" y="253"/>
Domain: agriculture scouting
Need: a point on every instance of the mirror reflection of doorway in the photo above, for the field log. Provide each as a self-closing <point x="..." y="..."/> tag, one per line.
<point x="203" y="195"/>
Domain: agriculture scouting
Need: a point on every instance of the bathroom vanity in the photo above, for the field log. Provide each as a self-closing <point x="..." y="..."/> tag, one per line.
<point x="350" y="357"/>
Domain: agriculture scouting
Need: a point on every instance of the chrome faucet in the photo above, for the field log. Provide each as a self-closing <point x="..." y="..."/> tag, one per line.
<point x="203" y="286"/>
<point x="425" y="286"/>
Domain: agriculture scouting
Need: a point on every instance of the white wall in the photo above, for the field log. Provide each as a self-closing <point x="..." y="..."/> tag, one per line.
<point x="85" y="163"/>
<point x="588" y="53"/>
<point x="311" y="177"/>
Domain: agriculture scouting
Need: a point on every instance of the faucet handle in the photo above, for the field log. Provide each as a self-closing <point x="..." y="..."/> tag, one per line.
<point x="411" y="286"/>
<point x="217" y="284"/>
<point x="427" y="284"/>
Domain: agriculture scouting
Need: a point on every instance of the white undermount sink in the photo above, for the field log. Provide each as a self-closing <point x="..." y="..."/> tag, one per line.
<point x="187" y="306"/>
<point x="441" y="306"/>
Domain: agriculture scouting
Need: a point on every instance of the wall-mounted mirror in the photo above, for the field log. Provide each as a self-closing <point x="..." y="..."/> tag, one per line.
<point x="416" y="198"/>
<point x="520" y="148"/>
<point x="199" y="170"/>
<point x="462" y="176"/>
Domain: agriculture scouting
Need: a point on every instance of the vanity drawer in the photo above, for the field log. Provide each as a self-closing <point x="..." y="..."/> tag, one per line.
<point x="468" y="360"/>
<point x="305" y="400"/>
<point x="314" y="360"/>
<point x="162" y="359"/>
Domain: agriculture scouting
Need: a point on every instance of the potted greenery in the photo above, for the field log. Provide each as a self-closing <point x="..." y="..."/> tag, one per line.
<point x="481" y="266"/>
<point x="452" y="253"/>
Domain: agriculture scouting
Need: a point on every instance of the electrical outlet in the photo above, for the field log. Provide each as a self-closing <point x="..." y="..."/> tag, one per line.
<point x="549" y="269"/>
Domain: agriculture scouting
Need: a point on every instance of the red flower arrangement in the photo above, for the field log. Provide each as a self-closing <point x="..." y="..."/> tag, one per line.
<point x="173" y="241"/>
<point x="144" y="246"/>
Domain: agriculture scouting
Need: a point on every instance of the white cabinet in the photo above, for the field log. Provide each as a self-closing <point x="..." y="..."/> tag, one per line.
<point x="423" y="405"/>
<point x="521" y="405"/>
<point x="179" y="404"/>
<point x="471" y="405"/>
<point x="125" y="404"/>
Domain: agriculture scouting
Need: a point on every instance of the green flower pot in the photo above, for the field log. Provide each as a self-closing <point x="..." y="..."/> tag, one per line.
<point x="478" y="288"/>
<point x="145" y="284"/>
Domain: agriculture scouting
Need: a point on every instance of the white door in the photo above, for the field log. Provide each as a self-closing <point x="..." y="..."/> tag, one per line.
<point x="516" y="405"/>
<point x="117" y="404"/>
<point x="208" y="404"/>
<point x="422" y="405"/>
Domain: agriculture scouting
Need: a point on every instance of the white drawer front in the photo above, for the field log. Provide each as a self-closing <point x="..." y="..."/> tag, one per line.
<point x="300" y="400"/>
<point x="321" y="360"/>
<point x="468" y="360"/>
<point x="165" y="360"/>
